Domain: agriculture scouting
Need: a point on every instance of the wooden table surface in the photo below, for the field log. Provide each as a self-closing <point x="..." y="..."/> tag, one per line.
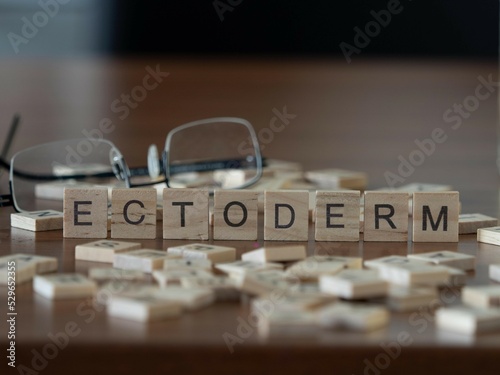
<point x="363" y="116"/>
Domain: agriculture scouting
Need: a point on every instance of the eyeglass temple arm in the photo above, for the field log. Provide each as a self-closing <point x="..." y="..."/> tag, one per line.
<point x="212" y="166"/>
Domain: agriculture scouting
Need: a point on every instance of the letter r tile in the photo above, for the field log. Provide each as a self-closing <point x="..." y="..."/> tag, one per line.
<point x="386" y="216"/>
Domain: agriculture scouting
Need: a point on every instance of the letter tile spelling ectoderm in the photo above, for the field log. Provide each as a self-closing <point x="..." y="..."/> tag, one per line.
<point x="85" y="213"/>
<point x="133" y="213"/>
<point x="286" y="215"/>
<point x="337" y="216"/>
<point x="185" y="214"/>
<point x="386" y="216"/>
<point x="235" y="215"/>
<point x="435" y="216"/>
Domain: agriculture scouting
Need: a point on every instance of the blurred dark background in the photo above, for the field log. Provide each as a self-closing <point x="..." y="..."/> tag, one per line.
<point x="432" y="28"/>
<point x="421" y="28"/>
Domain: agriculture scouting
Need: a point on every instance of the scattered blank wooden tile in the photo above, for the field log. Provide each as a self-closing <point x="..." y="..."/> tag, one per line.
<point x="337" y="216"/>
<point x="244" y="266"/>
<point x="494" y="272"/>
<point x="133" y="213"/>
<point x="385" y="216"/>
<point x="43" y="264"/>
<point x="216" y="254"/>
<point x="235" y="214"/>
<point x="287" y="322"/>
<point x="223" y="287"/>
<point x="101" y="274"/>
<point x="103" y="250"/>
<point x="405" y="299"/>
<point x="190" y="298"/>
<point x="13" y="271"/>
<point x="190" y="263"/>
<point x="391" y="259"/>
<point x="447" y="258"/>
<point x="489" y="235"/>
<point x="312" y="267"/>
<point x="457" y="277"/>
<point x="354" y="284"/>
<point x="467" y="320"/>
<point x="355" y="317"/>
<point x="275" y="254"/>
<point x="37" y="221"/>
<point x="482" y="296"/>
<point x="427" y="209"/>
<point x="308" y="288"/>
<point x="470" y="223"/>
<point x="85" y="213"/>
<point x="145" y="260"/>
<point x="262" y="282"/>
<point x="337" y="178"/>
<point x="290" y="302"/>
<point x="143" y="308"/>
<point x="286" y="215"/>
<point x="64" y="286"/>
<point x="411" y="274"/>
<point x="172" y="277"/>
<point x="185" y="214"/>
<point x="123" y="287"/>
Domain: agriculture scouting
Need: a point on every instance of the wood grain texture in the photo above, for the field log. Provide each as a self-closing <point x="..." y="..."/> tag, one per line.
<point x="185" y="214"/>
<point x="85" y="213"/>
<point x="385" y="216"/>
<point x="435" y="216"/>
<point x="133" y="213"/>
<point x="37" y="221"/>
<point x="286" y="215"/>
<point x="337" y="216"/>
<point x="235" y="215"/>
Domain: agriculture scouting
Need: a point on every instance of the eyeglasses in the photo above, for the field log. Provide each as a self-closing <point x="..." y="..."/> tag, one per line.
<point x="220" y="152"/>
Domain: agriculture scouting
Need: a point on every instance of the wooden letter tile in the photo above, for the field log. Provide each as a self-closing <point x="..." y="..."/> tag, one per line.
<point x="235" y="215"/>
<point x="447" y="258"/>
<point x="103" y="250"/>
<point x="217" y="254"/>
<point x="484" y="296"/>
<point x="37" y="221"/>
<point x="435" y="216"/>
<point x="143" y="307"/>
<point x="276" y="254"/>
<point x="489" y="235"/>
<point x="353" y="316"/>
<point x="467" y="320"/>
<point x="386" y="216"/>
<point x="64" y="286"/>
<point x="337" y="216"/>
<point x="470" y="223"/>
<point x="101" y="274"/>
<point x="145" y="260"/>
<point x="133" y="213"/>
<point x="85" y="213"/>
<point x="494" y="272"/>
<point x="185" y="214"/>
<point x="286" y="215"/>
<point x="354" y="284"/>
<point x="24" y="271"/>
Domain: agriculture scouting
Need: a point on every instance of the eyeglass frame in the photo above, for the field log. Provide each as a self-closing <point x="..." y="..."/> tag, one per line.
<point x="122" y="172"/>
